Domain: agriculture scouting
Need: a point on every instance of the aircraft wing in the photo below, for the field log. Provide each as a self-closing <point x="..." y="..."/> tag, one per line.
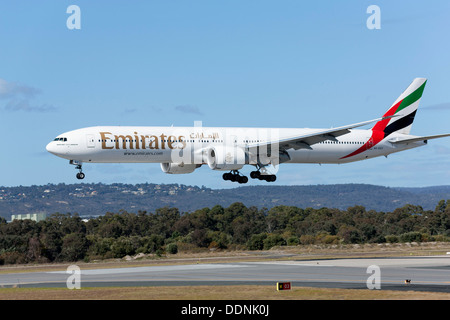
<point x="305" y="141"/>
<point x="417" y="139"/>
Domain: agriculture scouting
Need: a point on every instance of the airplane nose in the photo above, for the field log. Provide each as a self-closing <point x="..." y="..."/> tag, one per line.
<point x="51" y="148"/>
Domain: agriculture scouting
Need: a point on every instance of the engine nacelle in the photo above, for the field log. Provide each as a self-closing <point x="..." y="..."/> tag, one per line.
<point x="225" y="158"/>
<point x="178" y="168"/>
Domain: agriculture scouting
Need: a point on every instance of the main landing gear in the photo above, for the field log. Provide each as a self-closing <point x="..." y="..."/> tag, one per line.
<point x="266" y="177"/>
<point x="234" y="176"/>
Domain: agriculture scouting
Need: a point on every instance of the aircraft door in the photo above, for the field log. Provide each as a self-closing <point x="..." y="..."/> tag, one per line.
<point x="90" y="141"/>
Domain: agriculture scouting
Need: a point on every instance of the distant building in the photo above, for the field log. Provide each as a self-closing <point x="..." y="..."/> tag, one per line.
<point x="39" y="216"/>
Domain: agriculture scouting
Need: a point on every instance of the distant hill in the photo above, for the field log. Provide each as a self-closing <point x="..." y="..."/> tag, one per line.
<point x="97" y="199"/>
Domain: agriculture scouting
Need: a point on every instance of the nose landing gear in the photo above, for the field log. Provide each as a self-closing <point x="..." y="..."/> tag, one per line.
<point x="80" y="174"/>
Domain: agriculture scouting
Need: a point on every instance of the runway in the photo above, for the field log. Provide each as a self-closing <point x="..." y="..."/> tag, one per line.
<point x="425" y="274"/>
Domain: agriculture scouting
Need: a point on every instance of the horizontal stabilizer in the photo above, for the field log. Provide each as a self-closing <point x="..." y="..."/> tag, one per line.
<point x="418" y="139"/>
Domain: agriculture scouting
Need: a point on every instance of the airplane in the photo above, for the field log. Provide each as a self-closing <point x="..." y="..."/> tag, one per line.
<point x="181" y="150"/>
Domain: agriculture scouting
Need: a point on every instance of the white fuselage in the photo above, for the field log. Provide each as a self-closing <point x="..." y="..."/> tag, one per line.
<point x="117" y="144"/>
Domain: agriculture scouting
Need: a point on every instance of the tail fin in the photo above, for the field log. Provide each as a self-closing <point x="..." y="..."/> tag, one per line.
<point x="403" y="110"/>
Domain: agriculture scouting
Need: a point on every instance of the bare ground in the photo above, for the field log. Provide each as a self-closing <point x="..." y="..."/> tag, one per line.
<point x="214" y="293"/>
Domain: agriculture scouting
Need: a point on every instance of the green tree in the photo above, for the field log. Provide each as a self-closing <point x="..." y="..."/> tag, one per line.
<point x="74" y="247"/>
<point x="256" y="241"/>
<point x="273" y="240"/>
<point x="172" y="248"/>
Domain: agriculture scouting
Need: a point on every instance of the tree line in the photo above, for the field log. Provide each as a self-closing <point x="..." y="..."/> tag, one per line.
<point x="66" y="237"/>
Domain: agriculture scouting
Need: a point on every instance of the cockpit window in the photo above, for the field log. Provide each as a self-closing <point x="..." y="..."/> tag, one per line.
<point x="60" y="139"/>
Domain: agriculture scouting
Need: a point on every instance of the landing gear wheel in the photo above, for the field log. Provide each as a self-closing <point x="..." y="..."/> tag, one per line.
<point x="268" y="177"/>
<point x="263" y="176"/>
<point x="255" y="174"/>
<point x="234" y="176"/>
<point x="242" y="179"/>
<point x="227" y="176"/>
<point x="80" y="175"/>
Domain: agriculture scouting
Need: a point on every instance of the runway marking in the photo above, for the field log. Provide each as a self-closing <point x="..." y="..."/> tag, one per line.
<point x="153" y="269"/>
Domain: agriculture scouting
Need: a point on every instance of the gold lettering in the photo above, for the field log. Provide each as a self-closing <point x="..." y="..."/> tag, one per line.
<point x="153" y="142"/>
<point x="163" y="136"/>
<point x="170" y="141"/>
<point x="136" y="140"/>
<point x="143" y="141"/>
<point x="124" y="141"/>
<point x="104" y="138"/>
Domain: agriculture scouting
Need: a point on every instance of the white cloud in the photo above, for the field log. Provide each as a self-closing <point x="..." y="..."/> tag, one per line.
<point x="189" y="109"/>
<point x="18" y="98"/>
<point x="12" y="90"/>
<point x="439" y="106"/>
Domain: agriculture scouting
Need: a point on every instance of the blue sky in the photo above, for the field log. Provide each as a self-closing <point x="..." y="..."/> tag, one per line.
<point x="225" y="63"/>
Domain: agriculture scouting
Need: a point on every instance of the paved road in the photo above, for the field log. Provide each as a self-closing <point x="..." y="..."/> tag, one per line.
<point x="425" y="273"/>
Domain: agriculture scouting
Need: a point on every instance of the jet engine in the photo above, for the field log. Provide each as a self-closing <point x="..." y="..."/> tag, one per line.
<point x="225" y="158"/>
<point x="178" y="168"/>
